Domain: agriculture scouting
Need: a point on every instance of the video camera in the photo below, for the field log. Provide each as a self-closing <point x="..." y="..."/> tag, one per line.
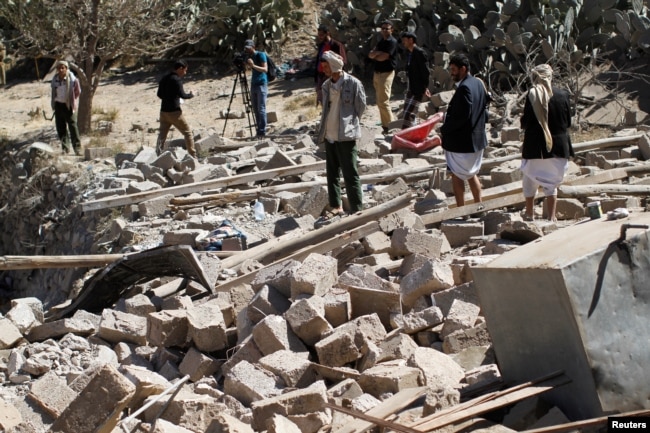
<point x="240" y="60"/>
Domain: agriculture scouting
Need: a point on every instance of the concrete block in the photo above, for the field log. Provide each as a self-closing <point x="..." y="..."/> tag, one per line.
<point x="359" y="276"/>
<point x="393" y="159"/>
<point x="396" y="346"/>
<point x="184" y="237"/>
<point x="271" y="204"/>
<point x="199" y="174"/>
<point x="156" y="206"/>
<point x="464" y="338"/>
<point x="278" y="160"/>
<point x="81" y="323"/>
<point x="292" y="405"/>
<point x="189" y="410"/>
<point x="440" y="398"/>
<point x="281" y="424"/>
<point x="387" y="378"/>
<point x="267" y="301"/>
<point x="402" y="218"/>
<point x="644" y="146"/>
<point x="249" y="383"/>
<point x="431" y="277"/>
<point x="10" y="417"/>
<point x="248" y="351"/>
<point x="146" y="383"/>
<point x="506" y="173"/>
<point x="278" y="276"/>
<point x="337" y="349"/>
<point x="224" y="423"/>
<point x="473" y="357"/>
<point x="206" y="326"/>
<point x="509" y="133"/>
<point x="438" y="368"/>
<point x="416" y="321"/>
<point x="458" y="233"/>
<point x="139" y="305"/>
<point x="149" y="171"/>
<point x="484" y="373"/>
<point x="569" y="208"/>
<point x="167" y="328"/>
<point x="198" y="365"/>
<point x="144" y="186"/>
<point x="376" y="243"/>
<point x="165" y="161"/>
<point x="285" y="225"/>
<point x="99" y="406"/>
<point x="464" y="292"/>
<point x="289" y="201"/>
<point x="273" y="334"/>
<point x="116" y="326"/>
<point x="384" y="193"/>
<point x="206" y="145"/>
<point x="314" y="201"/>
<point x="233" y="244"/>
<point x="131" y="173"/>
<point x="441" y="99"/>
<point x="23" y="317"/>
<point x="52" y="393"/>
<point x="307" y="319"/>
<point x="316" y="275"/>
<point x="405" y="241"/>
<point x="462" y="315"/>
<point x="337" y="307"/>
<point x="295" y="370"/>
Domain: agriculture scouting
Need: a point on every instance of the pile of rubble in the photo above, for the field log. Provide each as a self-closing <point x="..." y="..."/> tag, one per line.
<point x="376" y="312"/>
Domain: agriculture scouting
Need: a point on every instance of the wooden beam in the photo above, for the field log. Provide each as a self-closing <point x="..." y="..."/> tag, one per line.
<point x="279" y="248"/>
<point x="322" y="248"/>
<point x="468" y="209"/>
<point x="594" y="190"/>
<point x="110" y="202"/>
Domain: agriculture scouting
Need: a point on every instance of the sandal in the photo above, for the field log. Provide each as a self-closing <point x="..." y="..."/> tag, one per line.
<point x="328" y="218"/>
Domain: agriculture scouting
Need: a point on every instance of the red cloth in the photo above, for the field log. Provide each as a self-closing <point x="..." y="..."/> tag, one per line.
<point x="417" y="137"/>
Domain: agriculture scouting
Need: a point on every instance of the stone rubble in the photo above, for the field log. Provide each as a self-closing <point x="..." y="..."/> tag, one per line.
<point x="267" y="355"/>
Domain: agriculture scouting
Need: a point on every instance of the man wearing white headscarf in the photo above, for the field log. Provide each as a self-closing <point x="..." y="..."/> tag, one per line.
<point x="344" y="101"/>
<point x="547" y="143"/>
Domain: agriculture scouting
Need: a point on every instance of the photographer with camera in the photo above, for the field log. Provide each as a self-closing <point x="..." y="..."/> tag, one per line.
<point x="257" y="62"/>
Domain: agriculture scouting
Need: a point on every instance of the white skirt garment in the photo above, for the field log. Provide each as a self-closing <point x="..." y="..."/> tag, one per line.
<point x="547" y="173"/>
<point x="464" y="165"/>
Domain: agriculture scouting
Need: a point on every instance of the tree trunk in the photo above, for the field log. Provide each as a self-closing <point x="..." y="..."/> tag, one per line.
<point x="84" y="114"/>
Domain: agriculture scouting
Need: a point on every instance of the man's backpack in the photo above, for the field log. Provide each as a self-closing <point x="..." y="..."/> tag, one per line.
<point x="272" y="71"/>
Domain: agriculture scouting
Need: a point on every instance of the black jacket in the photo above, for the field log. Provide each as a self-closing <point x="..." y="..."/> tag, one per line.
<point x="464" y="127"/>
<point x="559" y="121"/>
<point x="170" y="90"/>
<point x="417" y="71"/>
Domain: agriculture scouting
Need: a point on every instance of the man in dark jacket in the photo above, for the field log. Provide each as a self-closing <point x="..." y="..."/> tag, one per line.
<point x="463" y="131"/>
<point x="547" y="143"/>
<point x="170" y="91"/>
<point x="417" y="71"/>
<point x="325" y="44"/>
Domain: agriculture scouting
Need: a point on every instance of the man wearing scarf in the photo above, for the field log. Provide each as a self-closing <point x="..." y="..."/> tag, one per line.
<point x="547" y="144"/>
<point x="65" y="101"/>
<point x="344" y="101"/>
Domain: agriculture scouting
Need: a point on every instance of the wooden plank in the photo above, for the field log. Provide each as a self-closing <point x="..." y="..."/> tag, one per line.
<point x="328" y="245"/>
<point x="279" y="248"/>
<point x="488" y="406"/>
<point x="375" y="415"/>
<point x="456" y="212"/>
<point x="593" y="190"/>
<point x="110" y="202"/>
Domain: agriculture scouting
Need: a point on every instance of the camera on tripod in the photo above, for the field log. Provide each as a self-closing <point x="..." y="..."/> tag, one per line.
<point x="240" y="60"/>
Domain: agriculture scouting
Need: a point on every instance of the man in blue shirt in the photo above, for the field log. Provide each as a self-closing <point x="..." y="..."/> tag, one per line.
<point x="257" y="62"/>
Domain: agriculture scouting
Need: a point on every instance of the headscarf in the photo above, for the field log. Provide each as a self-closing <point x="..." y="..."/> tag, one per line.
<point x="335" y="61"/>
<point x="539" y="95"/>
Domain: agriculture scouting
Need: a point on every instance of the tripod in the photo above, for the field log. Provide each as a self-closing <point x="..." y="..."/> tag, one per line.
<point x="246" y="98"/>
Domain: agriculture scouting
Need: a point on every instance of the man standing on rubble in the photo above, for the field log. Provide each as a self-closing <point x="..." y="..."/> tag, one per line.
<point x="325" y="44"/>
<point x="547" y="143"/>
<point x="384" y="56"/>
<point x="417" y="72"/>
<point x="66" y="90"/>
<point x="463" y="130"/>
<point x="344" y="101"/>
<point x="171" y="93"/>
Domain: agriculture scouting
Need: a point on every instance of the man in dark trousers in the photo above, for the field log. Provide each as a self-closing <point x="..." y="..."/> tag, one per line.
<point x="463" y="130"/>
<point x="417" y="71"/>
<point x="66" y="90"/>
<point x="547" y="143"/>
<point x="170" y="91"/>
<point x="257" y="62"/>
<point x="344" y="101"/>
<point x="325" y="44"/>
<point x="385" y="57"/>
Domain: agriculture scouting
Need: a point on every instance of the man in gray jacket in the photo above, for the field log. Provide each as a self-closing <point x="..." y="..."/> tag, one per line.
<point x="344" y="101"/>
